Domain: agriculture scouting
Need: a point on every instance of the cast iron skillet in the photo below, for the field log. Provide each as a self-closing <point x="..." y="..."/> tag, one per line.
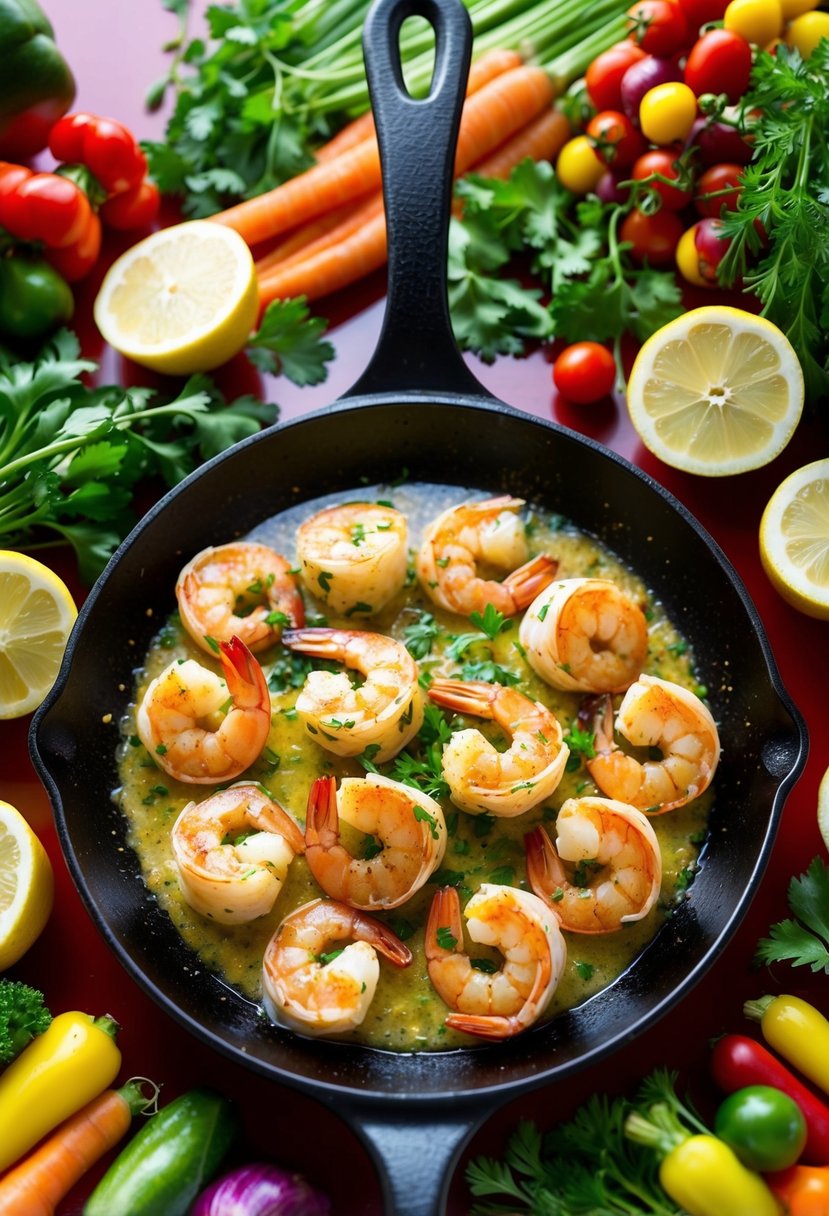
<point x="417" y="408"/>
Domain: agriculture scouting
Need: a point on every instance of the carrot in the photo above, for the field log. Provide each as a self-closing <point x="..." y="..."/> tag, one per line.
<point x="356" y="216"/>
<point x="309" y="234"/>
<point x="541" y="139"/>
<point x="40" y="1181"/>
<point x="355" y="132"/>
<point x="490" y="116"/>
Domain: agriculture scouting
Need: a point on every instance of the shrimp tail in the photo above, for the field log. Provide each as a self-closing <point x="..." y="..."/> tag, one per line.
<point x="529" y="580"/>
<point x="321" y="642"/>
<point x="444" y="914"/>
<point x="322" y="828"/>
<point x="544" y="869"/>
<point x="245" y="679"/>
<point x="369" y="929"/>
<point x="472" y="696"/>
<point x="485" y="1026"/>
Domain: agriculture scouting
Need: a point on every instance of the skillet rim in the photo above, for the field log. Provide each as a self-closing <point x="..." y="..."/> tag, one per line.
<point x="512" y="1085"/>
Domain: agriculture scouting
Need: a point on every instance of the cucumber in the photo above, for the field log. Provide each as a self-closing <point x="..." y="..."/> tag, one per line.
<point x="165" y="1165"/>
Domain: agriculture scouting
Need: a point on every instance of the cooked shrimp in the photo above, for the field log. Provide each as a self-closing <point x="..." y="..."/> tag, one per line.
<point x="319" y="990"/>
<point x="232" y="851"/>
<point x="187" y="727"/>
<point x="476" y="532"/>
<point x="481" y="778"/>
<point x="241" y="589"/>
<point x="618" y="865"/>
<point x="382" y="714"/>
<point x="520" y="925"/>
<point x="354" y="557"/>
<point x="585" y="634"/>
<point x="408" y="823"/>
<point x="657" y="714"/>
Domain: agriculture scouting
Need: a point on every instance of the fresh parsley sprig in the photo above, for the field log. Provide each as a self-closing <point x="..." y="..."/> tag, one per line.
<point x="802" y="940"/>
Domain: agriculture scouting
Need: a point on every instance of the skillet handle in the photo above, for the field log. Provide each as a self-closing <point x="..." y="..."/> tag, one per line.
<point x="417" y="138"/>
<point x="416" y="1152"/>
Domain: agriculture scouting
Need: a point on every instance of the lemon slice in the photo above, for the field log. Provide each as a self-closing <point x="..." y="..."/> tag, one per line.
<point x="26" y="886"/>
<point x="182" y="300"/>
<point x="37" y="613"/>
<point x="794" y="539"/>
<point x="823" y="808"/>
<point x="716" y="391"/>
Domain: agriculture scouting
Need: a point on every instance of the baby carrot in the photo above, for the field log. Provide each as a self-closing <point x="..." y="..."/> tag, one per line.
<point x="490" y="116"/>
<point x="37" y="1184"/>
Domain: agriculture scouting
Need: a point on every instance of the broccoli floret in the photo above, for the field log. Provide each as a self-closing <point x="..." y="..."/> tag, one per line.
<point x="22" y="1016"/>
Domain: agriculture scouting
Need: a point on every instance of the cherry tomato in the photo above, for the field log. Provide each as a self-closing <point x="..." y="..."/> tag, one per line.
<point x="806" y="31"/>
<point x="76" y="261"/>
<point x="795" y="8"/>
<point x="661" y="163"/>
<point x="578" y="168"/>
<point x="718" y="190"/>
<point x="584" y="372"/>
<point x="67" y="135"/>
<point x="643" y="76"/>
<point x="133" y="208"/>
<point x="11" y="176"/>
<point x="653" y="238"/>
<point x="667" y="113"/>
<point x="45" y="207"/>
<point x="717" y="142"/>
<point x="609" y="187"/>
<point x="700" y="251"/>
<point x="658" y="26"/>
<point x="764" y="1127"/>
<point x="614" y="139"/>
<point x="719" y="62"/>
<point x="758" y="21"/>
<point x="701" y="12"/>
<point x="604" y="76"/>
<point x="112" y="155"/>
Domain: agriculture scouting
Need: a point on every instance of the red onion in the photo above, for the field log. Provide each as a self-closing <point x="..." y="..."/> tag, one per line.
<point x="642" y="76"/>
<point x="260" y="1189"/>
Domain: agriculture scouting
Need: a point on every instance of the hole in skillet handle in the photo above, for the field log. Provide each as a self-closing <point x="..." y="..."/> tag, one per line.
<point x="417" y="138"/>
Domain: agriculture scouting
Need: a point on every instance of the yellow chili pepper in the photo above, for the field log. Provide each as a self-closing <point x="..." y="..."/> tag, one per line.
<point x="73" y="1061"/>
<point x="705" y="1177"/>
<point x="796" y="1030"/>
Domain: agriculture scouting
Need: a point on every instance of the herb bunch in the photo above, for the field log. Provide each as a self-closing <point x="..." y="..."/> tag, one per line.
<point x="802" y="939"/>
<point x="780" y="230"/>
<point x="580" y="282"/>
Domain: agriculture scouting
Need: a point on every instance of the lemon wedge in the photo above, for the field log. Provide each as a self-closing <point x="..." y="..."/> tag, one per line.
<point x="26" y="886"/>
<point x="823" y="808"/>
<point x="182" y="300"/>
<point x="716" y="391"/>
<point x="37" y="613"/>
<point x="794" y="539"/>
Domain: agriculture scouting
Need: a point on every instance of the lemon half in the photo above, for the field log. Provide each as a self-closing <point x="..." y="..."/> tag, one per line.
<point x="37" y="613"/>
<point x="716" y="391"/>
<point x="794" y="539"/>
<point x="26" y="886"/>
<point x="183" y="300"/>
<point x="823" y="808"/>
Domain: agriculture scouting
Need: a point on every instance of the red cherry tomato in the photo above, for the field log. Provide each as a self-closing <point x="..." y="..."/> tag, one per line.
<point x="584" y="372"/>
<point x="653" y="238"/>
<point x="76" y="261"/>
<point x="718" y="190"/>
<point x="614" y="138"/>
<point x="45" y="207"/>
<point x="662" y="163"/>
<point x="701" y="12"/>
<point x="711" y="247"/>
<point x="133" y="208"/>
<point x="67" y="135"/>
<point x="112" y="155"/>
<point x="719" y="143"/>
<point x="658" y="26"/>
<point x="604" y="76"/>
<point x="719" y="62"/>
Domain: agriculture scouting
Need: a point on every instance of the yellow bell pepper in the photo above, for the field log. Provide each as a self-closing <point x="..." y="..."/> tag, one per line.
<point x="73" y="1061"/>
<point x="798" y="1031"/>
<point x="706" y="1178"/>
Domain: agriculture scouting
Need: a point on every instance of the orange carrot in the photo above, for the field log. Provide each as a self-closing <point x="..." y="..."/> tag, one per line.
<point x="490" y="116"/>
<point x="354" y="219"/>
<point x="337" y="265"/>
<point x="355" y="132"/>
<point x="308" y="234"/>
<point x="541" y="139"/>
<point x="40" y="1181"/>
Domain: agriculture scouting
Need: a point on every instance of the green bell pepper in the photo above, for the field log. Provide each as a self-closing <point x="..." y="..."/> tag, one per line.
<point x="34" y="298"/>
<point x="36" y="85"/>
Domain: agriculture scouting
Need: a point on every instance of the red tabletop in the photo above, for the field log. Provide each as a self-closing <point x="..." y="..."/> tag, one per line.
<point x="115" y="50"/>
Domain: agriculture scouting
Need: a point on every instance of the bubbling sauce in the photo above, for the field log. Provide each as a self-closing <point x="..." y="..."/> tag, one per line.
<point x="406" y="1014"/>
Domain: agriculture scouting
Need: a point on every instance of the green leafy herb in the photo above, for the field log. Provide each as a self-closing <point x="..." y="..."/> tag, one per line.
<point x="804" y="940"/>
<point x="446" y="938"/>
<point x="419" y="636"/>
<point x="71" y="457"/>
<point x="490" y="621"/>
<point x="289" y="341"/>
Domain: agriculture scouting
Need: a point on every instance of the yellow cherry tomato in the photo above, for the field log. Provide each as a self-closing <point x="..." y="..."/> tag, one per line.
<point x="806" y="31"/>
<point x="667" y="112"/>
<point x="687" y="259"/>
<point x="578" y="168"/>
<point x="794" y="8"/>
<point x="758" y="21"/>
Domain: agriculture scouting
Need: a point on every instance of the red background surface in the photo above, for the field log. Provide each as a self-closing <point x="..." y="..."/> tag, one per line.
<point x="115" y="50"/>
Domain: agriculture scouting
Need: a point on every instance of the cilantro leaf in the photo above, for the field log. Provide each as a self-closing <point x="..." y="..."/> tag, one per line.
<point x="803" y="941"/>
<point x="289" y="340"/>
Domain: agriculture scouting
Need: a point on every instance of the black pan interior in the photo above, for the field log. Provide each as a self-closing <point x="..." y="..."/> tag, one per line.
<point x="453" y="441"/>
